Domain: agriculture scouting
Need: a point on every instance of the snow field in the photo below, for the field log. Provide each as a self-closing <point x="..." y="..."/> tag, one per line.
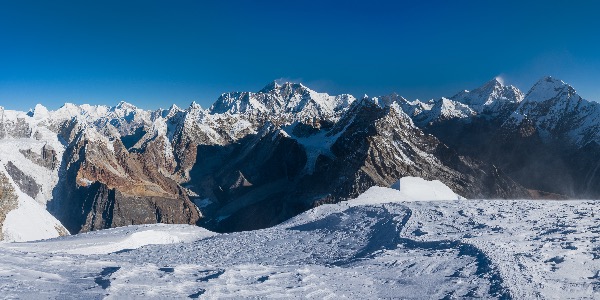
<point x="381" y="245"/>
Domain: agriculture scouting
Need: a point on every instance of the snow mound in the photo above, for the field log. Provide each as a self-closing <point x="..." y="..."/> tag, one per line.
<point x="407" y="189"/>
<point x="122" y="239"/>
<point x="419" y="189"/>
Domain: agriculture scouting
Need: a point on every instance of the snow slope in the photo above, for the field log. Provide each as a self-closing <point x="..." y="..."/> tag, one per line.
<point x="419" y="189"/>
<point x="30" y="221"/>
<point x="119" y="239"/>
<point x="377" y="246"/>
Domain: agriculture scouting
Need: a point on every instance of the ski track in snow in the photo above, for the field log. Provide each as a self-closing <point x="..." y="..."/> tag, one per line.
<point x="490" y="249"/>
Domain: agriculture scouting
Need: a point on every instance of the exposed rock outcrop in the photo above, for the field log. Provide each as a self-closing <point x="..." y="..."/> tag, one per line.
<point x="46" y="159"/>
<point x="25" y="182"/>
<point x="8" y="200"/>
<point x="107" y="186"/>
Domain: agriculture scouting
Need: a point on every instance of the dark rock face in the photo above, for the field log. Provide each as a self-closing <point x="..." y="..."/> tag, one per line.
<point x="98" y="207"/>
<point x="47" y="159"/>
<point x="23" y="181"/>
<point x="555" y="166"/>
<point x="250" y="180"/>
<point x="105" y="186"/>
<point x="390" y="148"/>
<point x="8" y="199"/>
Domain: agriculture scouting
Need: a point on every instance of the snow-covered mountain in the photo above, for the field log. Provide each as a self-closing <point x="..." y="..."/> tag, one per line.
<point x="254" y="159"/>
<point x="558" y="113"/>
<point x="283" y="103"/>
<point x="29" y="163"/>
<point x="493" y="98"/>
<point x="386" y="243"/>
<point x="547" y="140"/>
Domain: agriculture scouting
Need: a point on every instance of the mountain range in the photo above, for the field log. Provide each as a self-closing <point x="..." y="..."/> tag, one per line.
<point x="256" y="159"/>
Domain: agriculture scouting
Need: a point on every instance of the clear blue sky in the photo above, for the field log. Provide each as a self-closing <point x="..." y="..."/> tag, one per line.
<point x="154" y="53"/>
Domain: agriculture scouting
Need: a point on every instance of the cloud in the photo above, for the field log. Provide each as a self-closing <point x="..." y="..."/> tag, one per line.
<point x="283" y="80"/>
<point x="501" y="78"/>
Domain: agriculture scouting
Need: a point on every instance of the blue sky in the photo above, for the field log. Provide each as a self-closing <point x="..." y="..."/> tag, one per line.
<point x="155" y="53"/>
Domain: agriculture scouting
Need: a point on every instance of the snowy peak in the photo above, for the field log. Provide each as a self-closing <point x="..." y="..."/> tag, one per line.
<point x="289" y="92"/>
<point x="194" y="106"/>
<point x="40" y="112"/>
<point x="194" y="111"/>
<point x="272" y="86"/>
<point x="124" y="106"/>
<point x="286" y="88"/>
<point x="448" y="108"/>
<point x="432" y="112"/>
<point x="171" y="112"/>
<point x="557" y="112"/>
<point x="124" y="109"/>
<point x="489" y="96"/>
<point x="388" y="100"/>
<point x="493" y="100"/>
<point x="67" y="111"/>
<point x="549" y="88"/>
<point x="283" y="103"/>
<point x="493" y="84"/>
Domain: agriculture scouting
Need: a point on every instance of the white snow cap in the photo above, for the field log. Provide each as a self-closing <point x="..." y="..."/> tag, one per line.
<point x="548" y="88"/>
<point x="40" y="112"/>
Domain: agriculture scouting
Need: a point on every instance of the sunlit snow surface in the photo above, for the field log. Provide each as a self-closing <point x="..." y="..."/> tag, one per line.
<point x="376" y="246"/>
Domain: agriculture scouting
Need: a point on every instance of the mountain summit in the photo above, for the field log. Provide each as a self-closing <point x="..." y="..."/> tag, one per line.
<point x="283" y="103"/>
<point x="493" y="98"/>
